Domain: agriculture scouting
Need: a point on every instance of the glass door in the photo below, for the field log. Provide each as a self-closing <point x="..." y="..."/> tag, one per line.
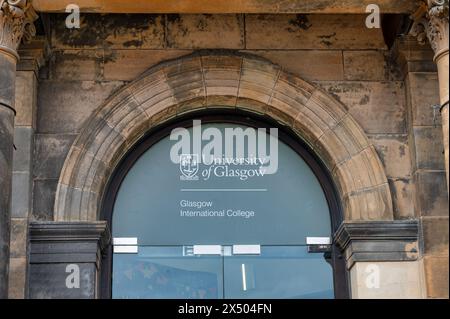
<point x="232" y="227"/>
<point x="217" y="272"/>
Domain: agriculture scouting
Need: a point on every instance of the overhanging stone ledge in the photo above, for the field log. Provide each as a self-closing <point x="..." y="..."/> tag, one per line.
<point x="59" y="250"/>
<point x="376" y="241"/>
<point x="68" y="241"/>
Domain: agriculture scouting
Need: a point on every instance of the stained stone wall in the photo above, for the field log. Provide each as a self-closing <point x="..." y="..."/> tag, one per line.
<point x="336" y="52"/>
<point x="424" y="129"/>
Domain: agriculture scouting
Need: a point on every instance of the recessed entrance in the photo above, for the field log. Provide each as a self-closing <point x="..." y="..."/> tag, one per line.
<point x="222" y="228"/>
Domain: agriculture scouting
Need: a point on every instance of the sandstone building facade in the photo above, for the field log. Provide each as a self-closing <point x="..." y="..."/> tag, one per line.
<point x="370" y="104"/>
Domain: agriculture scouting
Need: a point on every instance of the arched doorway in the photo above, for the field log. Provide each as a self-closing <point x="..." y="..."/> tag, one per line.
<point x="203" y="82"/>
<point x="227" y="232"/>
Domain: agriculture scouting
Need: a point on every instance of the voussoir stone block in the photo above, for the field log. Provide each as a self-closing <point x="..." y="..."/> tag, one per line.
<point x="351" y="135"/>
<point x="308" y="128"/>
<point x="402" y="190"/>
<point x="330" y="149"/>
<point x="369" y="204"/>
<point x="258" y="79"/>
<point x="156" y="84"/>
<point x="292" y="89"/>
<point x="221" y="76"/>
<point x="328" y="109"/>
<point x="251" y="105"/>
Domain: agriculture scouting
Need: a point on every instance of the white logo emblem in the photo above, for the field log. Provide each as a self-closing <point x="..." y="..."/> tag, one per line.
<point x="189" y="167"/>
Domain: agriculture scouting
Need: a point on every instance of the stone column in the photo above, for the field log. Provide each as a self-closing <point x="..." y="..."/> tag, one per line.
<point x="16" y="22"/>
<point x="431" y="22"/>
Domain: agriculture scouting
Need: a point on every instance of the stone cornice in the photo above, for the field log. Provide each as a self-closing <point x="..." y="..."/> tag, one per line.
<point x="16" y="24"/>
<point x="70" y="232"/>
<point x="431" y="22"/>
<point x="362" y="241"/>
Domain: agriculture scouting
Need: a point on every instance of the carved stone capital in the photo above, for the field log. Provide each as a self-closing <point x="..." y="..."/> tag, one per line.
<point x="16" y="24"/>
<point x="431" y="22"/>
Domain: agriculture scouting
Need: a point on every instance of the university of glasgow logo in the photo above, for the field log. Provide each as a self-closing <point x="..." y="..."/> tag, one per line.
<point x="189" y="167"/>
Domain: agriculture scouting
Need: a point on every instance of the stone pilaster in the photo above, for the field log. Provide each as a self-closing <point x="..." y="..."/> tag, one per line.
<point x="381" y="257"/>
<point x="431" y="23"/>
<point x="31" y="59"/>
<point x="16" y="23"/>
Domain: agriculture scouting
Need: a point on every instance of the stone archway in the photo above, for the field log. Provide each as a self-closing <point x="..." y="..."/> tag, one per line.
<point x="201" y="81"/>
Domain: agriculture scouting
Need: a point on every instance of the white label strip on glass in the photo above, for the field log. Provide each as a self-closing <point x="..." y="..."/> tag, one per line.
<point x="125" y="249"/>
<point x="207" y="250"/>
<point x="318" y="240"/>
<point x="246" y="250"/>
<point x="124" y="241"/>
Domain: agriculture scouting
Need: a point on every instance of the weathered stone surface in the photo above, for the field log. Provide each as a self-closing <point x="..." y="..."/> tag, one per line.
<point x="127" y="65"/>
<point x="223" y="86"/>
<point x="25" y="99"/>
<point x="394" y="153"/>
<point x="21" y="195"/>
<point x="423" y="89"/>
<point x="250" y="6"/>
<point x="312" y="65"/>
<point x="44" y="199"/>
<point x="311" y="32"/>
<point x="48" y="281"/>
<point x="365" y="241"/>
<point x="6" y="156"/>
<point x="258" y="79"/>
<point x="431" y="195"/>
<point x="436" y="274"/>
<point x="370" y="204"/>
<point x="23" y="141"/>
<point x="379" y="107"/>
<point x="365" y="66"/>
<point x="64" y="106"/>
<point x="435" y="235"/>
<point x="7" y="79"/>
<point x="77" y="65"/>
<point x="53" y="246"/>
<point x="19" y="232"/>
<point x="429" y="148"/>
<point x="402" y="190"/>
<point x="109" y="31"/>
<point x="410" y="56"/>
<point x="17" y="278"/>
<point x="49" y="154"/>
<point x="205" y="31"/>
<point x="398" y="280"/>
